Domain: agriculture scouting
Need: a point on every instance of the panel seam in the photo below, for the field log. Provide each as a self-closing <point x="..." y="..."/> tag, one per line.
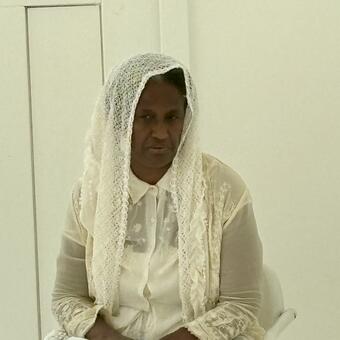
<point x="34" y="202"/>
<point x="101" y="41"/>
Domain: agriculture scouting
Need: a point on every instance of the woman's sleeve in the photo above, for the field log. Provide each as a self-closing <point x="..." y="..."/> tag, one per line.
<point x="240" y="281"/>
<point x="74" y="310"/>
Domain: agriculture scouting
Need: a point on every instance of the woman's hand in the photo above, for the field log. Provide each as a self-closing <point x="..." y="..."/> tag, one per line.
<point x="102" y="331"/>
<point x="180" y="334"/>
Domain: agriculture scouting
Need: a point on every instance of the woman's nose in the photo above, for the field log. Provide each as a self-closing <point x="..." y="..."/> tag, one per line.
<point x="160" y="130"/>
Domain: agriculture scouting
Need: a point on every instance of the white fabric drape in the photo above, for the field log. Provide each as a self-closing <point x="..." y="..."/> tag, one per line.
<point x="239" y="298"/>
<point x="104" y="208"/>
<point x="219" y="255"/>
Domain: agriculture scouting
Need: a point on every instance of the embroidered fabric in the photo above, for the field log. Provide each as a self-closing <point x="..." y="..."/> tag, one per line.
<point x="57" y="334"/>
<point x="212" y="207"/>
<point x="75" y="313"/>
<point x="226" y="322"/>
<point x="149" y="297"/>
<point x="72" y="306"/>
<point x="239" y="247"/>
<point x="104" y="208"/>
<point x="240" y="279"/>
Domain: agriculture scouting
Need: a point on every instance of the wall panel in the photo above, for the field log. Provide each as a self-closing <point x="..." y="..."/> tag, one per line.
<point x="19" y="310"/>
<point x="129" y="27"/>
<point x="66" y="75"/>
<point x="174" y="29"/>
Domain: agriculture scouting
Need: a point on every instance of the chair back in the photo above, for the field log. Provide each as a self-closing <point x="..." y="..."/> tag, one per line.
<point x="272" y="299"/>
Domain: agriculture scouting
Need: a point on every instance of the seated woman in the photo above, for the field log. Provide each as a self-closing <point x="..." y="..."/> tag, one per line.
<point x="160" y="240"/>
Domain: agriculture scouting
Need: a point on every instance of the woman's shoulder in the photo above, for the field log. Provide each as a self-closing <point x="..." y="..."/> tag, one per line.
<point x="217" y="175"/>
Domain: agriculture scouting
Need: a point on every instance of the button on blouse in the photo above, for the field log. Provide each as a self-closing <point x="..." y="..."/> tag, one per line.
<point x="149" y="290"/>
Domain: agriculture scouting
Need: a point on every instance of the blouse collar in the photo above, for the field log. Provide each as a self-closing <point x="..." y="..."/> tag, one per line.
<point x="138" y="188"/>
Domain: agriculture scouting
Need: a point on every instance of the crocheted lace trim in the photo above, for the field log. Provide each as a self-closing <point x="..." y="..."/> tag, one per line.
<point x="104" y="207"/>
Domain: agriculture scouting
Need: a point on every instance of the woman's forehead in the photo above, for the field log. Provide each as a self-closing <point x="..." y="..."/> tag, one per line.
<point x="160" y="92"/>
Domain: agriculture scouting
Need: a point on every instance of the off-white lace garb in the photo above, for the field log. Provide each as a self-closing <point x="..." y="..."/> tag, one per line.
<point x="150" y="306"/>
<point x="149" y="295"/>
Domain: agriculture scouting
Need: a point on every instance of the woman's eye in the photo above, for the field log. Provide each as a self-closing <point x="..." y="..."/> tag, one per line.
<point x="146" y="117"/>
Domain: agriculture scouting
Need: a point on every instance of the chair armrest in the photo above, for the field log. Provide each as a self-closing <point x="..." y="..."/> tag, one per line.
<point x="281" y="323"/>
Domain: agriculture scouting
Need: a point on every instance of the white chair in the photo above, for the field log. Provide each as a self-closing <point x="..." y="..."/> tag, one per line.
<point x="273" y="316"/>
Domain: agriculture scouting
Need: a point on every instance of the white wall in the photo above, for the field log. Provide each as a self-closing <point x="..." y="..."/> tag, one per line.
<point x="268" y="78"/>
<point x="61" y="96"/>
<point x="18" y="284"/>
<point x="268" y="75"/>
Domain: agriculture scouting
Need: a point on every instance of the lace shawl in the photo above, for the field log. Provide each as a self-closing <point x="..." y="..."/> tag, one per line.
<point x="104" y="187"/>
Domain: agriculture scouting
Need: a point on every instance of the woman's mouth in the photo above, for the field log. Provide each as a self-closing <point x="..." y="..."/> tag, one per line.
<point x="158" y="149"/>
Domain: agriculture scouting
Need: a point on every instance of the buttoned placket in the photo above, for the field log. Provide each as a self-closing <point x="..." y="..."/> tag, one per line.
<point x="152" y="202"/>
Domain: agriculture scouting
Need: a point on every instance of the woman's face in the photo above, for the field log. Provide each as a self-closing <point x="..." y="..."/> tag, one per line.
<point x="157" y="128"/>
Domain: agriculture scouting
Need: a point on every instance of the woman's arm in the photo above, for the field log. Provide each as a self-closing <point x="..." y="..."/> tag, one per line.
<point x="75" y="311"/>
<point x="71" y="305"/>
<point x="240" y="281"/>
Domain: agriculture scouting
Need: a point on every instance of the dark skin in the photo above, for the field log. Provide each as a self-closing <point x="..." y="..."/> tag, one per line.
<point x="157" y="130"/>
<point x="102" y="331"/>
<point x="156" y="135"/>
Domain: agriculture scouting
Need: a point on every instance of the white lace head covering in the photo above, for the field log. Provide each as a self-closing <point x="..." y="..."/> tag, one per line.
<point x="104" y="190"/>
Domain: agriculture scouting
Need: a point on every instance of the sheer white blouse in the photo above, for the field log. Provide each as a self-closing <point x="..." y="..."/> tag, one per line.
<point x="149" y="295"/>
<point x="150" y="305"/>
